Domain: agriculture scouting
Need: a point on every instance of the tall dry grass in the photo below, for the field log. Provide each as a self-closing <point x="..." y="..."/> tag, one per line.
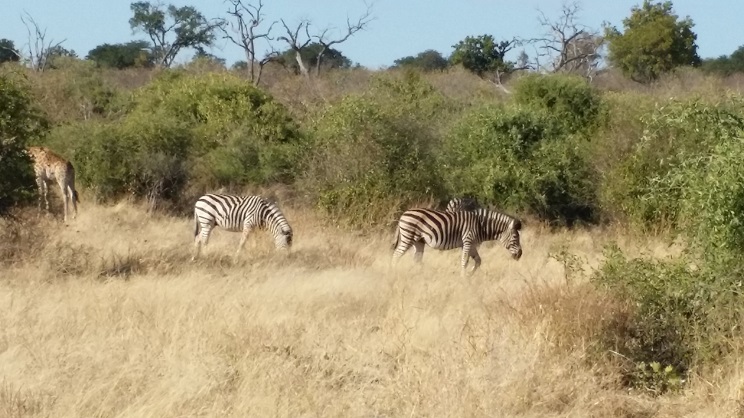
<point x="107" y="317"/>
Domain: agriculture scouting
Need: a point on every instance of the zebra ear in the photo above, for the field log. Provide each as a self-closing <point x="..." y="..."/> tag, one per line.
<point x="517" y="224"/>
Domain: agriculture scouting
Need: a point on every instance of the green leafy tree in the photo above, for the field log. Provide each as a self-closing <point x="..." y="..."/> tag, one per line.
<point x="428" y="60"/>
<point x="172" y="29"/>
<point x="484" y="56"/>
<point x="726" y="65"/>
<point x="130" y="54"/>
<point x="20" y="121"/>
<point x="655" y="41"/>
<point x="8" y="51"/>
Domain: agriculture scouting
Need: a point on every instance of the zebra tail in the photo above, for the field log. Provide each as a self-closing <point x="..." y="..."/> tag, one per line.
<point x="196" y="226"/>
<point x="75" y="196"/>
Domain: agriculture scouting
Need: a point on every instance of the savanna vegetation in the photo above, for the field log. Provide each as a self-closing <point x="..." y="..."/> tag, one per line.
<point x="626" y="303"/>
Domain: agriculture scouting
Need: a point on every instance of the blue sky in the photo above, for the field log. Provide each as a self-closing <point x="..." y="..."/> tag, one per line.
<point x="400" y="28"/>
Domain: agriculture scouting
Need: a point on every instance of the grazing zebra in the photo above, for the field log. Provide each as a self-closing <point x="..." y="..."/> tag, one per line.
<point x="458" y="204"/>
<point x="239" y="213"/>
<point x="449" y="230"/>
<point x="50" y="167"/>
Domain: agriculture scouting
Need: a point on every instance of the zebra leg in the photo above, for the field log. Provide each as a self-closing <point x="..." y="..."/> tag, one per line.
<point x="201" y="239"/>
<point x="476" y="258"/>
<point x="466" y="248"/>
<point x="419" y="254"/>
<point x="243" y="237"/>
<point x="400" y="249"/>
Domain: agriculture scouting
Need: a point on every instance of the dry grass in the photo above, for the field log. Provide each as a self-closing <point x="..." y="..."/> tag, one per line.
<point x="107" y="317"/>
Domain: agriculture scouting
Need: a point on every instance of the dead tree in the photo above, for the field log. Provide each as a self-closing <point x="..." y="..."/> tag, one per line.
<point x="39" y="50"/>
<point x="567" y="46"/>
<point x="351" y="29"/>
<point x="246" y="33"/>
<point x="297" y="42"/>
<point x="293" y="40"/>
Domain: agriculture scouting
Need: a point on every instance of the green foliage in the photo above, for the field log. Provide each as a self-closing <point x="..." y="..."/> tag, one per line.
<point x="570" y="99"/>
<point x="516" y="157"/>
<point x="482" y="54"/>
<point x="332" y="58"/>
<point x="655" y="41"/>
<point x="8" y="51"/>
<point x="677" y="315"/>
<point x="429" y="60"/>
<point x="678" y="138"/>
<point x="726" y="65"/>
<point x="185" y="134"/>
<point x="187" y="27"/>
<point x="21" y="121"/>
<point x="373" y="154"/>
<point x="130" y="54"/>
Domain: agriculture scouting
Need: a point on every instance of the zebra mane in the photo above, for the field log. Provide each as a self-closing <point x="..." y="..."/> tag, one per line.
<point x="275" y="214"/>
<point x="489" y="213"/>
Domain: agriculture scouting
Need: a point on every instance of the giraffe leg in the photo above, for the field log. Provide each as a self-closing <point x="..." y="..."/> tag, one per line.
<point x="65" y="198"/>
<point x="40" y="183"/>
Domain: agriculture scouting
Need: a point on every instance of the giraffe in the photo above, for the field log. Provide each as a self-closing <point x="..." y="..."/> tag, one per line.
<point x="50" y="167"/>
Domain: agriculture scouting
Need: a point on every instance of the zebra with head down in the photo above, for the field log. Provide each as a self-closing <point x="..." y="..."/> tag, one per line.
<point x="239" y="213"/>
<point x="446" y="230"/>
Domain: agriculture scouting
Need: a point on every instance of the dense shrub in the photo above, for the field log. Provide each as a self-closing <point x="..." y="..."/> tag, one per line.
<point x="680" y="313"/>
<point x="21" y="121"/>
<point x="372" y="154"/>
<point x="517" y="158"/>
<point x="677" y="142"/>
<point x="573" y="104"/>
<point x="185" y="134"/>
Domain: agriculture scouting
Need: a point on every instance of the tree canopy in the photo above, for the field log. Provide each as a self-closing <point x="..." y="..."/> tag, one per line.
<point x="482" y="54"/>
<point x="172" y="29"/>
<point x="428" y="60"/>
<point x="8" y="51"/>
<point x="332" y="58"/>
<point x="130" y="54"/>
<point x="654" y="42"/>
<point x="726" y="65"/>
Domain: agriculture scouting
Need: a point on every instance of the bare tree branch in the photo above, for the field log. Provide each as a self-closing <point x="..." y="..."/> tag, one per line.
<point x="567" y="45"/>
<point x="293" y="40"/>
<point x="39" y="49"/>
<point x="351" y="29"/>
<point x="245" y="34"/>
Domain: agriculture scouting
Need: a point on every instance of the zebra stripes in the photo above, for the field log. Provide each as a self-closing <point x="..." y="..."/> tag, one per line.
<point x="239" y="213"/>
<point x="458" y="204"/>
<point x="461" y="229"/>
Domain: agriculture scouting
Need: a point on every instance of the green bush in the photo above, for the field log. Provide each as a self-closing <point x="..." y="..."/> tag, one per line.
<point x="680" y="313"/>
<point x="21" y="121"/>
<point x="183" y="135"/>
<point x="368" y="158"/>
<point x="516" y="158"/>
<point x="677" y="142"/>
<point x="573" y="104"/>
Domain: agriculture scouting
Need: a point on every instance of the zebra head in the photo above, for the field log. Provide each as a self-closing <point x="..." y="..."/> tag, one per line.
<point x="283" y="239"/>
<point x="504" y="228"/>
<point x="512" y="243"/>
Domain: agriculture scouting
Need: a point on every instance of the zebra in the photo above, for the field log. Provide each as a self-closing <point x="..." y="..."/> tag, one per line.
<point x="448" y="230"/>
<point x="239" y="213"/>
<point x="458" y="204"/>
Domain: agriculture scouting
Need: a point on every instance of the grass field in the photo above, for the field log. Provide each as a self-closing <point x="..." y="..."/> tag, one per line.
<point x="108" y="317"/>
